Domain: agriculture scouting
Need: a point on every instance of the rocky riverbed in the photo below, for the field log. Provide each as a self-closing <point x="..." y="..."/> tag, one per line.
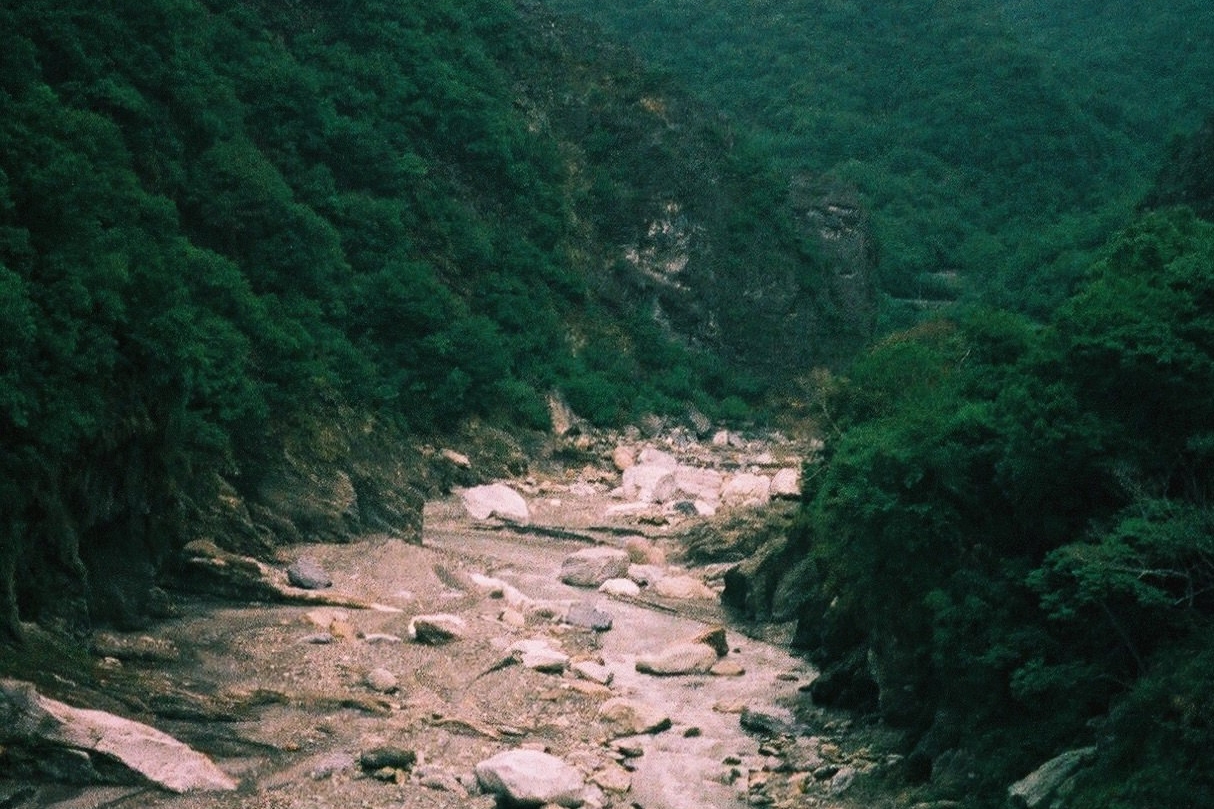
<point x="562" y="653"/>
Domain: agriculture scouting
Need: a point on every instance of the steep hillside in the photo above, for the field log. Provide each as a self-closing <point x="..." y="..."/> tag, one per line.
<point x="995" y="142"/>
<point x="251" y="253"/>
<point x="1007" y="548"/>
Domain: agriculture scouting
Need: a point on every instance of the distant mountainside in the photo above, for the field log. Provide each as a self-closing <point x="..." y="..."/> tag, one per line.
<point x="996" y="143"/>
<point x="252" y="252"/>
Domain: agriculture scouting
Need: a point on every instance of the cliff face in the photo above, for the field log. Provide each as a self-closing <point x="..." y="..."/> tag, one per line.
<point x="778" y="314"/>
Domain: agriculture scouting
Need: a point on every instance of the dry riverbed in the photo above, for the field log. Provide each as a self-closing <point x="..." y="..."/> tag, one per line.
<point x="341" y="705"/>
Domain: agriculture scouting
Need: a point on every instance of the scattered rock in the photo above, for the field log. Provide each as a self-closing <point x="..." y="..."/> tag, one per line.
<point x="441" y="780"/>
<point x="531" y="778"/>
<point x="645" y="575"/>
<point x="786" y="484"/>
<point x="613" y="778"/>
<point x="622" y="457"/>
<point x="639" y="511"/>
<point x="620" y="588"/>
<point x="131" y="647"/>
<point x="538" y="654"/>
<point x="99" y="739"/>
<point x="683" y="587"/>
<point x="840" y="781"/>
<point x="715" y="638"/>
<point x="699" y="484"/>
<point x="496" y="588"/>
<point x="1038" y="786"/>
<point x="594" y="672"/>
<point x="307" y="574"/>
<point x="627" y="717"/>
<point x="642" y="551"/>
<point x="458" y="458"/>
<point x="590" y="567"/>
<point x="387" y="757"/>
<point x="678" y="659"/>
<point x="747" y="489"/>
<point x="331" y="764"/>
<point x="324" y="617"/>
<point x="649" y="483"/>
<point x="588" y="616"/>
<point x="727" y="668"/>
<point x="437" y="629"/>
<point x="496" y="500"/>
<point x="764" y="723"/>
<point x="381" y="680"/>
<point x="656" y="457"/>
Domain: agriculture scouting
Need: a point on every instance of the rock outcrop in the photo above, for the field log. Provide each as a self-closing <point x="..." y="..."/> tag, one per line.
<point x="83" y="745"/>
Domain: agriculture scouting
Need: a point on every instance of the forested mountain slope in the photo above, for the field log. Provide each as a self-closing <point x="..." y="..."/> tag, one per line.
<point x="997" y="143"/>
<point x="1008" y="549"/>
<point x="251" y="251"/>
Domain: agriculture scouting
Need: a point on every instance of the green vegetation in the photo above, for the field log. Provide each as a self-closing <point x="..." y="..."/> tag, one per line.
<point x="1017" y="519"/>
<point x="1006" y="549"/>
<point x="997" y="142"/>
<point x="224" y="224"/>
<point x="220" y="220"/>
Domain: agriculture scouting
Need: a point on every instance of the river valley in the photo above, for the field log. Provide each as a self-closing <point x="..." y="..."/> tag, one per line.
<point x="356" y="701"/>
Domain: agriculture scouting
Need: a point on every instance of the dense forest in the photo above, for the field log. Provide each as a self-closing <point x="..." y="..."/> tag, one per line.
<point x="243" y="241"/>
<point x="254" y="254"/>
<point x="997" y="142"/>
<point x="1006" y="547"/>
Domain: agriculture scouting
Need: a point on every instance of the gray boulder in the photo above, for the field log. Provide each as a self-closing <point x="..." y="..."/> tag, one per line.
<point x="1042" y="783"/>
<point x="307" y="574"/>
<point x="590" y="567"/>
<point x="627" y="717"/>
<point x="588" y="616"/>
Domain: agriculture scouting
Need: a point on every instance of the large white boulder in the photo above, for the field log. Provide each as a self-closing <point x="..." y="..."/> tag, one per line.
<point x="657" y="457"/>
<point x="677" y="659"/>
<point x="30" y="718"/>
<point x="747" y="489"/>
<point x="786" y="483"/>
<point x="649" y="483"/>
<point x="699" y="484"/>
<point x="531" y="778"/>
<point x="496" y="500"/>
